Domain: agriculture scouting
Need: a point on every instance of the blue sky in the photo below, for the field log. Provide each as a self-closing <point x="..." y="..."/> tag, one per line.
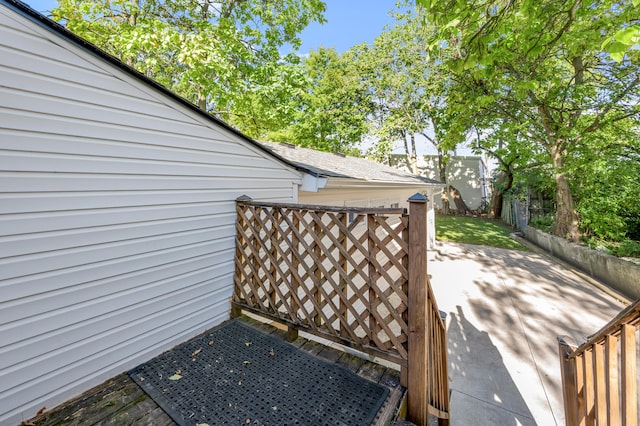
<point x="349" y="22"/>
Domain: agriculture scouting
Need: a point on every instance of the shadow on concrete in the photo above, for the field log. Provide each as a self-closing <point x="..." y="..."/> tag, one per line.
<point x="481" y="387"/>
<point x="524" y="300"/>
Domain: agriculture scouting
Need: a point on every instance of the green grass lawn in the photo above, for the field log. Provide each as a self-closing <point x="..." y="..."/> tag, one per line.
<point x="474" y="230"/>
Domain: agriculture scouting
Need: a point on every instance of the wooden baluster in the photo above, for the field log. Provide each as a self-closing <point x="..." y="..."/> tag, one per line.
<point x="581" y="419"/>
<point x="600" y="391"/>
<point x="589" y="398"/>
<point x="613" y="396"/>
<point x="629" y="377"/>
<point x="444" y="356"/>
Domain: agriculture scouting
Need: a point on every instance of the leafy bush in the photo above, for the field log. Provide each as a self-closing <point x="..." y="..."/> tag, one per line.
<point x="628" y="248"/>
<point x="601" y="217"/>
<point x="624" y="248"/>
<point x="633" y="227"/>
<point x="544" y="223"/>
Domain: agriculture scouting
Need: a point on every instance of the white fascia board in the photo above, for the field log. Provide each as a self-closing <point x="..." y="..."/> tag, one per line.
<point x="312" y="183"/>
<point x="359" y="183"/>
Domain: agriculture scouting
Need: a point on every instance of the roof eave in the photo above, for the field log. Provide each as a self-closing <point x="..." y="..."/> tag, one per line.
<point x="35" y="16"/>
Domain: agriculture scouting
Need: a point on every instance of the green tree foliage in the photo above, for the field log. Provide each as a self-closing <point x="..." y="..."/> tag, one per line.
<point x="539" y="66"/>
<point x="408" y="86"/>
<point x="410" y="89"/>
<point x="607" y="176"/>
<point x="625" y="41"/>
<point x="223" y="56"/>
<point x="330" y="112"/>
<point x="515" y="159"/>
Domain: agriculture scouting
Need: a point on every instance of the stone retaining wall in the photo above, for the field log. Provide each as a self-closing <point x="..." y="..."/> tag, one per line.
<point x="619" y="274"/>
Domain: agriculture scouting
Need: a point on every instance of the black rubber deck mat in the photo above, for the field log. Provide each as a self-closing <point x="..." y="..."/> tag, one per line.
<point x="237" y="375"/>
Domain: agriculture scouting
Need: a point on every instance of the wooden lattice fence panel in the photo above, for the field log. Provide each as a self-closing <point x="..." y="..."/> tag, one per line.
<point x="338" y="273"/>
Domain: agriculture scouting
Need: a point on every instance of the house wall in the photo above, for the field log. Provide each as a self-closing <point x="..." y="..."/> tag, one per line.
<point x="358" y="197"/>
<point x="373" y="196"/>
<point x="465" y="173"/>
<point x="116" y="218"/>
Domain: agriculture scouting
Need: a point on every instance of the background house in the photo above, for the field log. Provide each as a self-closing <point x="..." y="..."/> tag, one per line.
<point x="354" y="182"/>
<point x="468" y="174"/>
<point x="116" y="214"/>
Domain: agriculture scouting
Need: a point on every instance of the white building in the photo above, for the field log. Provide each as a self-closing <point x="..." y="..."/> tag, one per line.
<point x="469" y="174"/>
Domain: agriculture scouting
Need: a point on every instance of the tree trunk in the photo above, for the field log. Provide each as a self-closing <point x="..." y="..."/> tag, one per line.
<point x="406" y="150"/>
<point x="442" y="173"/>
<point x="444" y="198"/>
<point x="461" y="206"/>
<point x="133" y="21"/>
<point x="495" y="206"/>
<point x="414" y="155"/>
<point x="410" y="153"/>
<point x="504" y="182"/>
<point x="566" y="215"/>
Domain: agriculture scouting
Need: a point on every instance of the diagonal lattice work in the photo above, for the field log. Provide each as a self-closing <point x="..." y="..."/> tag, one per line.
<point x="340" y="273"/>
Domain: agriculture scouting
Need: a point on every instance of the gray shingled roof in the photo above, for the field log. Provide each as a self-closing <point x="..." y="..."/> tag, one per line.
<point x="330" y="165"/>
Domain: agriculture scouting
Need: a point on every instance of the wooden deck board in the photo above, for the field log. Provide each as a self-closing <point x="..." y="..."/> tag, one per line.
<point x="350" y="362"/>
<point x="117" y="398"/>
<point x="120" y="401"/>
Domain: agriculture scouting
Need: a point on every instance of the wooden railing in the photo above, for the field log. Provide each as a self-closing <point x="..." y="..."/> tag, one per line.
<point x="599" y="378"/>
<point x="356" y="276"/>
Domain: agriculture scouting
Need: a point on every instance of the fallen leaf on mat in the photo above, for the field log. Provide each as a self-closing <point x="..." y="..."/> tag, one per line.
<point x="248" y="343"/>
<point x="40" y="411"/>
<point x="271" y="352"/>
<point x="211" y="342"/>
<point x="247" y="421"/>
<point x="196" y="352"/>
<point x="246" y="362"/>
<point x="202" y="424"/>
<point x="175" y="377"/>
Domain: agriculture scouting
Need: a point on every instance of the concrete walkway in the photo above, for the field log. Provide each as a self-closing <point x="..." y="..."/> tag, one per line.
<point x="505" y="309"/>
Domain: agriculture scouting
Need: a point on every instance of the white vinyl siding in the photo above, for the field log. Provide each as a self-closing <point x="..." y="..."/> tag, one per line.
<point x="375" y="196"/>
<point x="116" y="218"/>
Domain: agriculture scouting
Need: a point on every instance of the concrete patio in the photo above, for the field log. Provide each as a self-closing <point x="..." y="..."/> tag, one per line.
<point x="505" y="309"/>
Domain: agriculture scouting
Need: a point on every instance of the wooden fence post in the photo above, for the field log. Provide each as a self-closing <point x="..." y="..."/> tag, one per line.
<point x="569" y="385"/>
<point x="417" y="363"/>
